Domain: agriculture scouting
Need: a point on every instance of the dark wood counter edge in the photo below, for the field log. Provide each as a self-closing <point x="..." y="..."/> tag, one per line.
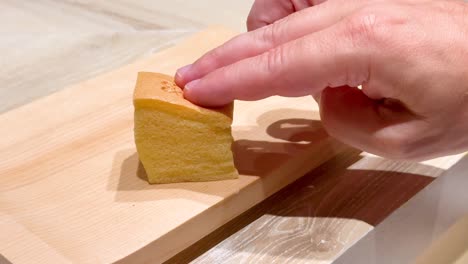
<point x="319" y="176"/>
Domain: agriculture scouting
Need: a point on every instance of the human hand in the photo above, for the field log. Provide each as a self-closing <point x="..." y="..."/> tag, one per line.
<point x="410" y="56"/>
<point x="266" y="12"/>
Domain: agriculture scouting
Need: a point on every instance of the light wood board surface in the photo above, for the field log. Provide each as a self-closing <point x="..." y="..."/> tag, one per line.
<point x="73" y="189"/>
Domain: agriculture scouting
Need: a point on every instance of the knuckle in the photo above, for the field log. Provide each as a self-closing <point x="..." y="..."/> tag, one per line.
<point x="270" y="33"/>
<point x="274" y="59"/>
<point x="361" y="28"/>
<point x="276" y="32"/>
<point x="368" y="26"/>
<point x="399" y="146"/>
<point x="353" y="77"/>
<point x="267" y="34"/>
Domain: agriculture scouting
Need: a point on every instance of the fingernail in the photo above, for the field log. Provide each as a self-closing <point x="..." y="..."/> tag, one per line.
<point x="191" y="85"/>
<point x="188" y="90"/>
<point x="182" y="72"/>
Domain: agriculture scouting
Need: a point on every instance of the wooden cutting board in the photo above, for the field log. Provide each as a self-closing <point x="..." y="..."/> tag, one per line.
<point x="72" y="189"/>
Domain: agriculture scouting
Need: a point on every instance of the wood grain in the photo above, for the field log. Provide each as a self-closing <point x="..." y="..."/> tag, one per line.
<point x="318" y="217"/>
<point x="47" y="45"/>
<point x="70" y="181"/>
<point x="81" y="16"/>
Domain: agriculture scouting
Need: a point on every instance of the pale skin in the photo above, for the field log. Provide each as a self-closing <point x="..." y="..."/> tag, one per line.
<point x="410" y="56"/>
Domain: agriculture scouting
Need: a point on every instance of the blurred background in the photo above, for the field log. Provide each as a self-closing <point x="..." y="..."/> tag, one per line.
<point x="47" y="45"/>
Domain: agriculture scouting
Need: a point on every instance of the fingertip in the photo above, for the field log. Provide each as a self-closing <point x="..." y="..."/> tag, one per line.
<point x="200" y="94"/>
<point x="190" y="90"/>
<point x="196" y="94"/>
<point x="179" y="80"/>
<point x="182" y="75"/>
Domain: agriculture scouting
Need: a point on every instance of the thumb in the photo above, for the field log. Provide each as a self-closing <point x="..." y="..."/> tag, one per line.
<point x="381" y="127"/>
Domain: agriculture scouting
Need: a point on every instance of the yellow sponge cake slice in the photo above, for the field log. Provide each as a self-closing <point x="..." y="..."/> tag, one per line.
<point x="176" y="140"/>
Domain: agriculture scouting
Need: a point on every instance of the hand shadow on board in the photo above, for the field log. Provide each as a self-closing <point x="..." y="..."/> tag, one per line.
<point x="252" y="155"/>
<point x="260" y="158"/>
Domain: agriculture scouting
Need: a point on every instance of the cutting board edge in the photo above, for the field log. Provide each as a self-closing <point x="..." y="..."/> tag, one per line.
<point x="255" y="192"/>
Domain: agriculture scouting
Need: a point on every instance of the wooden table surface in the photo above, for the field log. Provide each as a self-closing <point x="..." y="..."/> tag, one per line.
<point x="46" y="45"/>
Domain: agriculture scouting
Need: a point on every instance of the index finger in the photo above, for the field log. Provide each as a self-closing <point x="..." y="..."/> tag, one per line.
<point x="302" y="67"/>
<point x="256" y="42"/>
